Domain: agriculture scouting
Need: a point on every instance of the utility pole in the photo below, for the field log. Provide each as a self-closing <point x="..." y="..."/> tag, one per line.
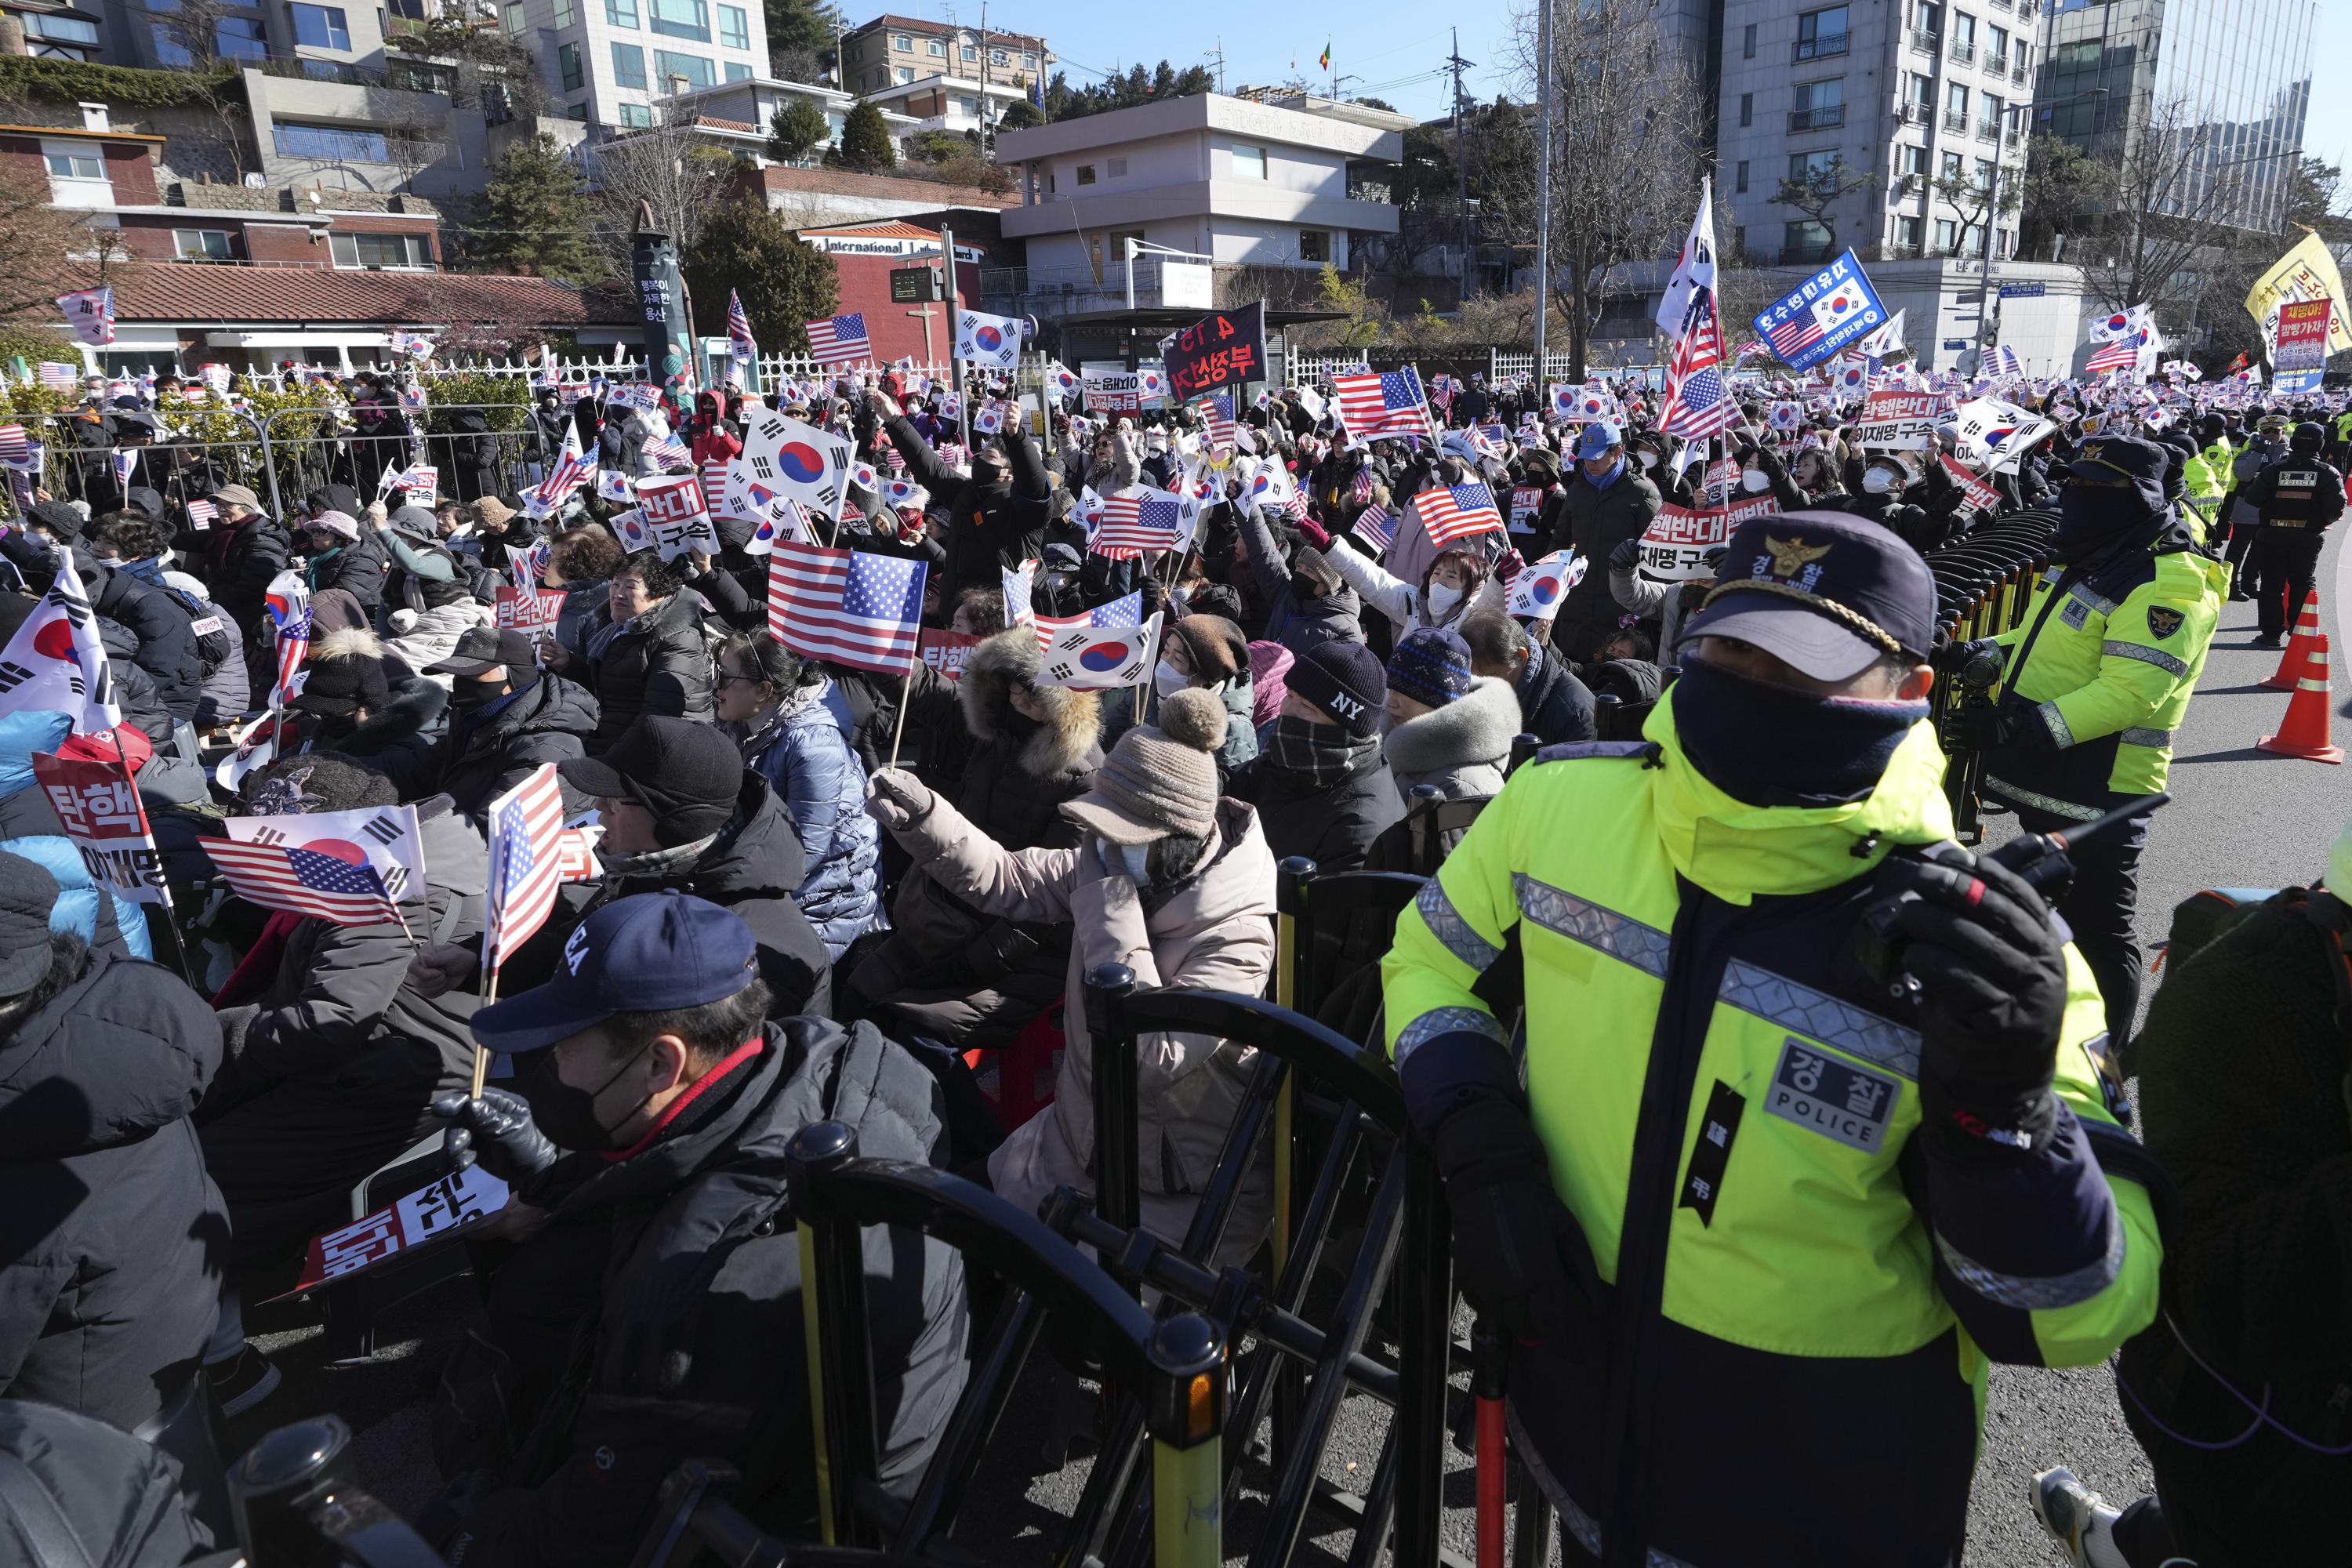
<point x="1543" y="179"/>
<point x="1461" y="163"/>
<point x="1218" y="60"/>
<point x="987" y="142"/>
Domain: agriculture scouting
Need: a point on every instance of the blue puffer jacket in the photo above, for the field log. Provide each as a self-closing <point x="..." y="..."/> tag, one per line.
<point x="807" y="760"/>
<point x="30" y="828"/>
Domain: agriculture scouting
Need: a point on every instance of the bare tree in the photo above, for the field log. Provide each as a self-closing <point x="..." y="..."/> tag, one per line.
<point x="193" y="25"/>
<point x="1627" y="143"/>
<point x="2172" y="199"/>
<point x="1973" y="199"/>
<point x="669" y="169"/>
<point x="48" y="250"/>
<point x="1813" y="195"/>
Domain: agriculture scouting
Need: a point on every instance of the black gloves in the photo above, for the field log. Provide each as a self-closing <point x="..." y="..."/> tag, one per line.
<point x="1627" y="554"/>
<point x="1948" y="658"/>
<point x="1991" y="969"/>
<point x="1519" y="1254"/>
<point x="498" y="1129"/>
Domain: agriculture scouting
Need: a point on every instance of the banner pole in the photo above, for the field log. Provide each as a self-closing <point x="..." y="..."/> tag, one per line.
<point x="171" y="911"/>
<point x="481" y="1052"/>
<point x="906" y="695"/>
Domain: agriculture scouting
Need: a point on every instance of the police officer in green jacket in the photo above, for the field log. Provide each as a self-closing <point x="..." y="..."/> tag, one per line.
<point x="2205" y="480"/>
<point x="1760" y="1217"/>
<point x="2093" y="684"/>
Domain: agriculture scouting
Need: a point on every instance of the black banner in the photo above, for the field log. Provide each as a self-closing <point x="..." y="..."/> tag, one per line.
<point x="1222" y="350"/>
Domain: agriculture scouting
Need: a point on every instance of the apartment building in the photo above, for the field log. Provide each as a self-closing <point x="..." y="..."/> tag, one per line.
<point x="942" y="76"/>
<point x="610" y="63"/>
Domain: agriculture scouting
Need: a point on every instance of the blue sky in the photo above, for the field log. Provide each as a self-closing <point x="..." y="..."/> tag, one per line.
<point x="2328" y="131"/>
<point x="1393" y="47"/>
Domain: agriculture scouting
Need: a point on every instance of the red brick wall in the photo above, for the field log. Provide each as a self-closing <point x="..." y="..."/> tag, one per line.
<point x="866" y="286"/>
<point x="150" y="238"/>
<point x="284" y="243"/>
<point x="21" y="156"/>
<point x="132" y="172"/>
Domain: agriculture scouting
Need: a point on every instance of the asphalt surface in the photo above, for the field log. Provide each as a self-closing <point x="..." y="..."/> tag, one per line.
<point x="2241" y="817"/>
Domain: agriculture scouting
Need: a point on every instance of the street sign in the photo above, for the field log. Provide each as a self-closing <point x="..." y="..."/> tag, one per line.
<point x="2023" y="290"/>
<point x="913" y="285"/>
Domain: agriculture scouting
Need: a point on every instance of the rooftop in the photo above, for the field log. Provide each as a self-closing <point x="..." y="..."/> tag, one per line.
<point x="1358" y="133"/>
<point x="916" y="24"/>
<point x="187" y="295"/>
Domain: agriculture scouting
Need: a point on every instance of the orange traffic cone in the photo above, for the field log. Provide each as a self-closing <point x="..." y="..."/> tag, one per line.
<point x="2298" y="647"/>
<point x="2304" y="731"/>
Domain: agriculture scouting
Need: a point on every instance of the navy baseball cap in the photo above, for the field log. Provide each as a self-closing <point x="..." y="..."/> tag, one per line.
<point x="1826" y="592"/>
<point x="2122" y="460"/>
<point x="1598" y="438"/>
<point x="654" y="953"/>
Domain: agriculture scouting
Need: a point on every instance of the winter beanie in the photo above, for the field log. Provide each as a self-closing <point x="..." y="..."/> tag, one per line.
<point x="1432" y="666"/>
<point x="1160" y="779"/>
<point x="1344" y="679"/>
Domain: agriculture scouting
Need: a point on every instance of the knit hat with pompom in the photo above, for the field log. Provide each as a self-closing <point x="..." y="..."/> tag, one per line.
<point x="1160" y="779"/>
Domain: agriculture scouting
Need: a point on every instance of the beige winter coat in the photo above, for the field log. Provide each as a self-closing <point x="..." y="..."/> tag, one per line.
<point x="1214" y="932"/>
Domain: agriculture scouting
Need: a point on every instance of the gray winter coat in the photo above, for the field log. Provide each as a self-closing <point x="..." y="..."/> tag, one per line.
<point x="1460" y="748"/>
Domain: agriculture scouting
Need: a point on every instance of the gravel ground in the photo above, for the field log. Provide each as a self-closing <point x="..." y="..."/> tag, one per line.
<point x="2242" y="818"/>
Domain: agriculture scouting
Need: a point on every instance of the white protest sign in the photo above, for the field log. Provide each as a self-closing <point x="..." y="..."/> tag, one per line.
<point x="1898" y="421"/>
<point x="673" y="509"/>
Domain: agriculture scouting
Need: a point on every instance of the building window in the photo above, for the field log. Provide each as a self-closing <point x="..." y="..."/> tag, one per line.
<point x="2002" y="240"/>
<point x="968" y="53"/>
<point x="77" y="164"/>
<point x="333" y="143"/>
<point x="629" y="67"/>
<point x="1314" y="245"/>
<point x="738" y="72"/>
<point x="1951" y="166"/>
<point x="692" y="70"/>
<point x="1739" y="178"/>
<point x="1989" y="125"/>
<point x="1747" y="42"/>
<point x="1804" y="241"/>
<point x="734" y="27"/>
<point x="1955" y="105"/>
<point x="902" y="42"/>
<point x="1086" y="174"/>
<point x="567" y="60"/>
<point x="1910" y="162"/>
<point x="1117" y="169"/>
<point x="512" y="16"/>
<point x="567" y="14"/>
<point x="1984" y="173"/>
<point x="1820" y="34"/>
<point x="60" y="29"/>
<point x="1927" y="16"/>
<point x="577" y="111"/>
<point x="1249" y="163"/>
<point x="1817" y="105"/>
<point x="202" y="244"/>
<point x="622" y="14"/>
<point x="905" y="74"/>
<point x="240" y="38"/>
<point x="1028" y="62"/>
<point x="997" y="58"/>
<point x="1964" y="37"/>
<point x="417" y="76"/>
<point x="405" y="250"/>
<point x="321" y="27"/>
<point x="939" y="48"/>
<point x="1948" y="236"/>
<point x="968" y="105"/>
<point x="1817" y="169"/>
<point x="1908" y="230"/>
<point x="404" y="16"/>
<point x="637" y="116"/>
<point x="680" y="19"/>
<point x="1746" y="109"/>
<point x="1995" y="48"/>
<point x="1923" y="95"/>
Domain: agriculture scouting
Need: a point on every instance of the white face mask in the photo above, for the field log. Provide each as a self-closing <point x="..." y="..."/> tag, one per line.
<point x="1168" y="680"/>
<point x="1443" y="600"/>
<point x="1649" y="460"/>
<point x="1754" y="480"/>
<point x="1877" y="482"/>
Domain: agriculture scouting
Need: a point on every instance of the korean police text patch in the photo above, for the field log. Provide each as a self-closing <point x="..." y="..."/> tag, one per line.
<point x="1824" y="1094"/>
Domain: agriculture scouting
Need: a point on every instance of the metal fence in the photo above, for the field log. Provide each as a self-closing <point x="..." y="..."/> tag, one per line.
<point x="1498" y="366"/>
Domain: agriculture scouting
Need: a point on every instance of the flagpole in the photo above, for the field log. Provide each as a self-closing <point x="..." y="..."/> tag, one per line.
<point x="482" y="1053"/>
<point x="171" y="913"/>
<point x="906" y="696"/>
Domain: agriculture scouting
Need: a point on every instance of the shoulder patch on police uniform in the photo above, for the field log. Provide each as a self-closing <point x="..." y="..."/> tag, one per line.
<point x="1823" y="1094"/>
<point x="2162" y="622"/>
<point x="2075" y="613"/>
<point x="1574" y="751"/>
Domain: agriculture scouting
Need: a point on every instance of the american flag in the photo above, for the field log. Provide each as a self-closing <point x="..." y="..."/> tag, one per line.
<point x="1749" y="350"/>
<point x="1376" y="525"/>
<point x="1700" y="404"/>
<point x="1124" y="611"/>
<point x="848" y="606"/>
<point x="741" y="344"/>
<point x="288" y="602"/>
<point x="2114" y="356"/>
<point x="2006" y="363"/>
<point x="304" y="881"/>
<point x="13" y="447"/>
<point x="1138" y="519"/>
<point x="839" y="340"/>
<point x="1216" y="411"/>
<point x="668" y="452"/>
<point x="1793" y="336"/>
<point x="1381" y="403"/>
<point x="571" y="471"/>
<point x="58" y="376"/>
<point x="1447" y="515"/>
<point x="1018" y="581"/>
<point x="202" y="514"/>
<point x="526" y="865"/>
<point x="714" y="484"/>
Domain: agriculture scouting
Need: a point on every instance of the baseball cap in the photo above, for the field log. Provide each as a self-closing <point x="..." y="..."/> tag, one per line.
<point x="1826" y="592"/>
<point x="1598" y="438"/>
<point x="485" y="647"/>
<point x="687" y="773"/>
<point x="654" y="953"/>
<point x="2122" y="460"/>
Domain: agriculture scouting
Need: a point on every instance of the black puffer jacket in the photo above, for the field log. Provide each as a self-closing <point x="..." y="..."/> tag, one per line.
<point x="990" y="527"/>
<point x="947" y="969"/>
<point x="479" y="759"/>
<point x="167" y="647"/>
<point x="1332" y="826"/>
<point x="1596" y="521"/>
<point x="651" y="1320"/>
<point x="119" y="1497"/>
<point x="358" y="569"/>
<point x="113" y="1240"/>
<point x="1554" y="705"/>
<point x="240" y="563"/>
<point x="658" y="665"/>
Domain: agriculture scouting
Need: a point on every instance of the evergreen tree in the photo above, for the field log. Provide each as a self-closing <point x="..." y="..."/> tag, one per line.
<point x="785" y="283"/>
<point x="798" y="128"/>
<point x="801" y="38"/>
<point x="533" y="216"/>
<point x="866" y="142"/>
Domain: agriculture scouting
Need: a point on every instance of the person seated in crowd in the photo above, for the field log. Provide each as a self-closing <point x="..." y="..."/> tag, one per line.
<point x="507" y="719"/>
<point x="1209" y="653"/>
<point x="948" y="971"/>
<point x="1554" y="706"/>
<point x="656" y="1089"/>
<point x="362" y="700"/>
<point x="1448" y="726"/>
<point x="113" y="1240"/>
<point x="647" y="654"/>
<point x="1167" y="879"/>
<point x="335" y="555"/>
<point x="774" y="702"/>
<point x="1320" y="784"/>
<point x="580" y="565"/>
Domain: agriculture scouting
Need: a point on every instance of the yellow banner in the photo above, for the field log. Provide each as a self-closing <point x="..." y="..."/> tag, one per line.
<point x="2306" y="272"/>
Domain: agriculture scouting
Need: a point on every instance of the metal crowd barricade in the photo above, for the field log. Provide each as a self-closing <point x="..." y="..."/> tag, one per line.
<point x="1405" y="1236"/>
<point x="179" y="469"/>
<point x="1984" y="580"/>
<point x="1169" y="1372"/>
<point x="313" y="448"/>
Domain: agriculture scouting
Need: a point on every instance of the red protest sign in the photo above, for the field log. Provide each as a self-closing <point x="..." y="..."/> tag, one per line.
<point x="99" y="809"/>
<point x="522" y="610"/>
<point x="456" y="1203"/>
<point x="947" y="651"/>
<point x="2302" y="328"/>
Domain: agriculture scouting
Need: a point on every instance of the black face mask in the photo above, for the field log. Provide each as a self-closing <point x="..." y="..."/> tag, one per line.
<point x="467" y="694"/>
<point x="1776" y="745"/>
<point x="2092" y="518"/>
<point x="566" y="1114"/>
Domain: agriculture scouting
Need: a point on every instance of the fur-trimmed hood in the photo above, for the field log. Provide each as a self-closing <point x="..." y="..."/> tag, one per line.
<point x="348" y="642"/>
<point x="1475" y="728"/>
<point x="1072" y="718"/>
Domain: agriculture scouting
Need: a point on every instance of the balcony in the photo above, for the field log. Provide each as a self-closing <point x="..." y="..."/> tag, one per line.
<point x="2021" y="74"/>
<point x="1828" y="117"/>
<point x="1926" y="43"/>
<point x="1820" y="49"/>
<point x="1997" y="65"/>
<point x="1956" y="123"/>
<point x="1803" y="255"/>
<point x="1962" y="54"/>
<point x="1989" y="130"/>
<point x="2011" y="137"/>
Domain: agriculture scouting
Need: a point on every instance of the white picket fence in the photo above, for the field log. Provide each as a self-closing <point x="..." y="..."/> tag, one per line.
<point x="1306" y="370"/>
<point x="774" y="369"/>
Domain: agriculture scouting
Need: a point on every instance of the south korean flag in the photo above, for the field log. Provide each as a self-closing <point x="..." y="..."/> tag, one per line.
<point x="1101" y="659"/>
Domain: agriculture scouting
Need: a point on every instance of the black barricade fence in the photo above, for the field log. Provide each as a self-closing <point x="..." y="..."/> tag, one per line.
<point x="1984" y="580"/>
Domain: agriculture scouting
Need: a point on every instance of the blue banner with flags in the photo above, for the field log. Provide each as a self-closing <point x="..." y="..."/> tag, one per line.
<point x="1828" y="311"/>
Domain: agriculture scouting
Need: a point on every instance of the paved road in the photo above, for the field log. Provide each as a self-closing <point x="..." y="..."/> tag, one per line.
<point x="2242" y="818"/>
